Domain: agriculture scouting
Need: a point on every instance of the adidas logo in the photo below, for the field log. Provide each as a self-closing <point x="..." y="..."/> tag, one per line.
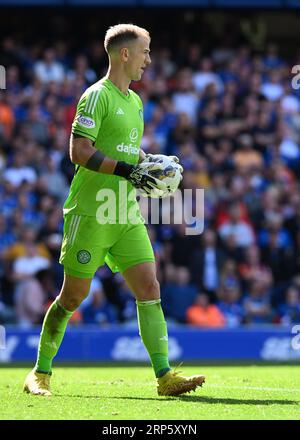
<point x="163" y="338"/>
<point x="119" y="111"/>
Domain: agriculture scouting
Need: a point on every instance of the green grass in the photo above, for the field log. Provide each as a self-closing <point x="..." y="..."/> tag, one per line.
<point x="108" y="393"/>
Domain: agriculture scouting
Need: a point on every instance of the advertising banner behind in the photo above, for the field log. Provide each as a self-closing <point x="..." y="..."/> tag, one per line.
<point x="186" y="344"/>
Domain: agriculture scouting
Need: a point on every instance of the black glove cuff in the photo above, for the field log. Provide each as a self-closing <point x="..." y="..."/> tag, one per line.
<point x="123" y="169"/>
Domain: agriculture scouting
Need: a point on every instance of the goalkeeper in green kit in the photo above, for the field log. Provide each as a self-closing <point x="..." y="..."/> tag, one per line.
<point x="104" y="146"/>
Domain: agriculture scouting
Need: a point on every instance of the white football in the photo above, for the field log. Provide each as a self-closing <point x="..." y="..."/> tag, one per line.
<point x="170" y="173"/>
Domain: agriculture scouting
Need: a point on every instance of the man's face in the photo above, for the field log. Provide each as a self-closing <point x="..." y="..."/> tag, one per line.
<point x="138" y="58"/>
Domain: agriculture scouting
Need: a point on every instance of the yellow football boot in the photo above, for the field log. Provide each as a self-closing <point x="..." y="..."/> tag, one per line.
<point x="172" y="384"/>
<point x="37" y="384"/>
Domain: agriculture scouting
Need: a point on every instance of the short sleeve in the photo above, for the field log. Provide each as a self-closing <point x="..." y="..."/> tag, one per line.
<point x="89" y="115"/>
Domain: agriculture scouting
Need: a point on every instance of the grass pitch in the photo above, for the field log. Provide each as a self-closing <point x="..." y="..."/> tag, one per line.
<point x="129" y="393"/>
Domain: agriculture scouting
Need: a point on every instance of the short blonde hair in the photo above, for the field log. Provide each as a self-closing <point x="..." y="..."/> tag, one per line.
<point x="122" y="33"/>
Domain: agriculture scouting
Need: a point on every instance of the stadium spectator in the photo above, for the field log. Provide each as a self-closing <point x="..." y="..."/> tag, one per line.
<point x="246" y="157"/>
<point x="272" y="89"/>
<point x="7" y="120"/>
<point x="229" y="275"/>
<point x="185" y="98"/>
<point x="181" y="247"/>
<point x="252" y="268"/>
<point x="289" y="311"/>
<point x="27" y="237"/>
<point x="237" y="229"/>
<point x="206" y="75"/>
<point x="230" y="304"/>
<point x="30" y="300"/>
<point x="82" y="70"/>
<point x="204" y="314"/>
<point x="29" y="264"/>
<point x="19" y="172"/>
<point x="54" y="182"/>
<point x="98" y="310"/>
<point x="206" y="263"/>
<point x="49" y="69"/>
<point x="277" y="249"/>
<point x="257" y="304"/>
<point x="178" y="294"/>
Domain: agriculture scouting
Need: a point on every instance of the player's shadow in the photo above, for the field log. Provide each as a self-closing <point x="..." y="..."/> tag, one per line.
<point x="193" y="399"/>
<point x="216" y="400"/>
<point x="227" y="401"/>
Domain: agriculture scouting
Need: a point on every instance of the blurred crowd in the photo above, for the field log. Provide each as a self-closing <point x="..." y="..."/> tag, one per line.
<point x="232" y="117"/>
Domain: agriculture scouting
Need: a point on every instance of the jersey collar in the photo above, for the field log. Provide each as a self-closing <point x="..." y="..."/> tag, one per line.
<point x="113" y="86"/>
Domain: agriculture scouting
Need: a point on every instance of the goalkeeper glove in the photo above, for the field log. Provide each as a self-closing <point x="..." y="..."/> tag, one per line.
<point x="160" y="157"/>
<point x="157" y="157"/>
<point x="140" y="176"/>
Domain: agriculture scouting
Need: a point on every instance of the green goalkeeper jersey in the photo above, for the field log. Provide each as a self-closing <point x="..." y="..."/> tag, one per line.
<point x="114" y="123"/>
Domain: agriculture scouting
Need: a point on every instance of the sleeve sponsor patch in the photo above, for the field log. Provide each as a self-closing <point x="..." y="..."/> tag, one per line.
<point x="85" y="121"/>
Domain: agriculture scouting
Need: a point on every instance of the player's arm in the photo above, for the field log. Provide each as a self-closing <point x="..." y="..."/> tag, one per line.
<point x="91" y="110"/>
<point x="84" y="154"/>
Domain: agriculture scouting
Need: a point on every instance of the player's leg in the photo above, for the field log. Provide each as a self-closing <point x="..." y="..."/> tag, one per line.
<point x="153" y="330"/>
<point x="133" y="256"/>
<point x="81" y="255"/>
<point x="142" y="281"/>
<point x="73" y="292"/>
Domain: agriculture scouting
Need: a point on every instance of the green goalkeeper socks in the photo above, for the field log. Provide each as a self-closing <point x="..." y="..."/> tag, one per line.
<point x="152" y="326"/>
<point x="154" y="334"/>
<point x="54" y="326"/>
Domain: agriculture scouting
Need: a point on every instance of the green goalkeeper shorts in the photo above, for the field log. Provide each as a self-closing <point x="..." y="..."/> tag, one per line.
<point x="87" y="245"/>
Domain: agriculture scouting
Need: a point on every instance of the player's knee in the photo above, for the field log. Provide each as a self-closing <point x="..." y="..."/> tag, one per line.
<point x="73" y="292"/>
<point x="72" y="300"/>
<point x="150" y="289"/>
<point x="72" y="304"/>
